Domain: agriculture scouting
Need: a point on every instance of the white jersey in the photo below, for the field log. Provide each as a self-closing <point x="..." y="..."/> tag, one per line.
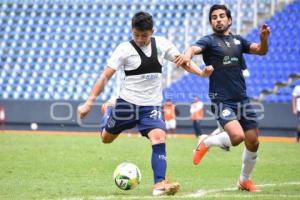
<point x="296" y="94"/>
<point x="142" y="89"/>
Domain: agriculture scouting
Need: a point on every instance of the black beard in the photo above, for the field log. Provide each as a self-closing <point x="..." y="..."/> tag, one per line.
<point x="221" y="31"/>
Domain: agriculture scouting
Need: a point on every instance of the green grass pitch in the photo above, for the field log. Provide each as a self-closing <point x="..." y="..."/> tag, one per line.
<point x="38" y="166"/>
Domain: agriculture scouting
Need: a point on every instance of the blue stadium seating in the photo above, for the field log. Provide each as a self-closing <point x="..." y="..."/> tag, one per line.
<point x="282" y="59"/>
<point x="52" y="49"/>
<point x="283" y="56"/>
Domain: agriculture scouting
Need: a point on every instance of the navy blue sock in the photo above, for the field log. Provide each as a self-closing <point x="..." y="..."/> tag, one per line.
<point x="159" y="162"/>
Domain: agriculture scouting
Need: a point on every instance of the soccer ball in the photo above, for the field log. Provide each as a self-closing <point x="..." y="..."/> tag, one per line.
<point x="34" y="126"/>
<point x="127" y="176"/>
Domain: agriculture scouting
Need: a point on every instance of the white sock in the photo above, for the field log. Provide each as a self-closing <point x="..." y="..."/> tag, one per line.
<point x="216" y="131"/>
<point x="249" y="160"/>
<point x="222" y="139"/>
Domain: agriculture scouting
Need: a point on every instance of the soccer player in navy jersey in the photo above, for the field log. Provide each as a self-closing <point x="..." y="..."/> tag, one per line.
<point x="140" y="96"/>
<point x="227" y="89"/>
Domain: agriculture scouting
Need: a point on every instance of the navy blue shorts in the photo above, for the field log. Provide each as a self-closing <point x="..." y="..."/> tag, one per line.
<point x="242" y="111"/>
<point x="298" y="116"/>
<point x="126" y="115"/>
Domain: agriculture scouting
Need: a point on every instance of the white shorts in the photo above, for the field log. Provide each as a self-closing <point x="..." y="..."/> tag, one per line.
<point x="170" y="124"/>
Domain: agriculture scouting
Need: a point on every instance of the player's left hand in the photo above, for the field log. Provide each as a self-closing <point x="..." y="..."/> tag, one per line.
<point x="207" y="71"/>
<point x="264" y="32"/>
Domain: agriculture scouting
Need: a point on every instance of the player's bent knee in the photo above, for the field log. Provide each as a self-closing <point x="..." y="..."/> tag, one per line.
<point x="252" y="146"/>
<point x="157" y="136"/>
<point x="235" y="143"/>
<point x="159" y="139"/>
<point x="256" y="145"/>
<point x="237" y="139"/>
<point x="107" y="137"/>
<point x="106" y="140"/>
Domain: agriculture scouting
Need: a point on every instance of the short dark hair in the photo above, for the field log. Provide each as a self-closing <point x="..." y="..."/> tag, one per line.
<point x="221" y="7"/>
<point x="142" y="21"/>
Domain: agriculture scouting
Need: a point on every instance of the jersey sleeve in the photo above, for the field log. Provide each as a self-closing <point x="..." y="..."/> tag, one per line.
<point x="245" y="44"/>
<point x="171" y="50"/>
<point x="116" y="61"/>
<point x="203" y="43"/>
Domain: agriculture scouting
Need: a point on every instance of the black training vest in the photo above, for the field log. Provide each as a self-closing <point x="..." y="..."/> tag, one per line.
<point x="148" y="64"/>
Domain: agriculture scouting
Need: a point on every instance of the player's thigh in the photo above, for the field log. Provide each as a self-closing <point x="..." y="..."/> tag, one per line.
<point x="150" y="119"/>
<point x="235" y="131"/>
<point x="248" y="118"/>
<point x="226" y="114"/>
<point x="121" y="118"/>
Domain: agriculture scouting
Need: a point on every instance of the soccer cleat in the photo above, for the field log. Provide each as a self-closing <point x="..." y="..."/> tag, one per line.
<point x="200" y="150"/>
<point x="165" y="188"/>
<point x="247" y="185"/>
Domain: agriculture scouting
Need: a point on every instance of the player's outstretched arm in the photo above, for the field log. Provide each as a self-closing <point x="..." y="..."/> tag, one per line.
<point x="96" y="90"/>
<point x="185" y="59"/>
<point x="193" y="68"/>
<point x="262" y="48"/>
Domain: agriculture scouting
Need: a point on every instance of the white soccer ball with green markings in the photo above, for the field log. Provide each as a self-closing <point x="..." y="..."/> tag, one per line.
<point x="127" y="176"/>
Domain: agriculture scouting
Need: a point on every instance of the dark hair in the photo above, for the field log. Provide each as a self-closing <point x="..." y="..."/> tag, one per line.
<point x="142" y="21"/>
<point x="222" y="7"/>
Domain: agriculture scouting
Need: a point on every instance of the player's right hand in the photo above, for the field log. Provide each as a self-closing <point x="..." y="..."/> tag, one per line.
<point x="83" y="110"/>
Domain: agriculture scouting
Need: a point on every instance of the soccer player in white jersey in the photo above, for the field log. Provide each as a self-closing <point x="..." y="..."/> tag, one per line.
<point x="296" y="108"/>
<point x="140" y="98"/>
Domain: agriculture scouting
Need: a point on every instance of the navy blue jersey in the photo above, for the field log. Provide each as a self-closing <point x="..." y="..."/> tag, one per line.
<point x="225" y="54"/>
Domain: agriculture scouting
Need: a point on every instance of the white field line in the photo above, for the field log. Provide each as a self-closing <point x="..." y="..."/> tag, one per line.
<point x="201" y="193"/>
<point x="256" y="196"/>
<point x="216" y="193"/>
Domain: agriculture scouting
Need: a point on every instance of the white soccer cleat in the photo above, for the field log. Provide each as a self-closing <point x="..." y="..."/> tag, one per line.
<point x="165" y="188"/>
